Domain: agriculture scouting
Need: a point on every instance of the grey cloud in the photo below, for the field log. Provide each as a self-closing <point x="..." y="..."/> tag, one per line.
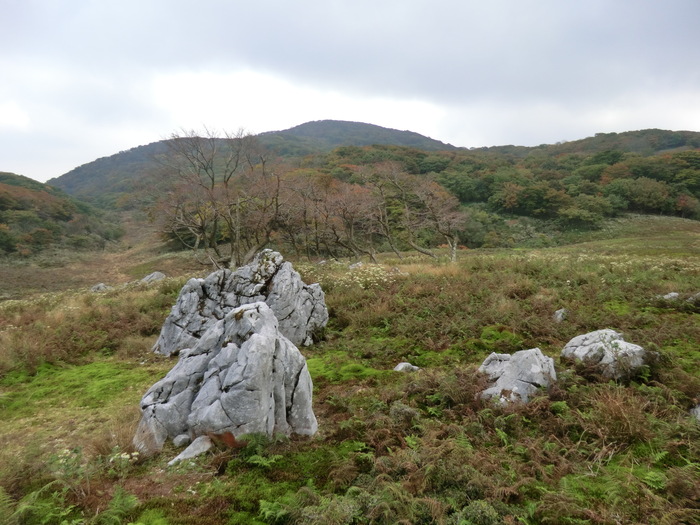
<point x="509" y="57"/>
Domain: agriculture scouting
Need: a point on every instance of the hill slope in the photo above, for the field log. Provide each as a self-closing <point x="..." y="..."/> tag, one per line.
<point x="324" y="135"/>
<point x="109" y="181"/>
<point x="34" y="216"/>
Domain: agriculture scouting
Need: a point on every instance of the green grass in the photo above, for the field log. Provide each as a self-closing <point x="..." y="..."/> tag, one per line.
<point x="92" y="385"/>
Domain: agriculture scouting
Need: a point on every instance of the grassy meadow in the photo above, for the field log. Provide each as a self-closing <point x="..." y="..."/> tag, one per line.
<point x="392" y="447"/>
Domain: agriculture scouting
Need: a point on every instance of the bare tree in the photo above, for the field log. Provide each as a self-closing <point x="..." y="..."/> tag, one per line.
<point x="221" y="198"/>
<point x="440" y="211"/>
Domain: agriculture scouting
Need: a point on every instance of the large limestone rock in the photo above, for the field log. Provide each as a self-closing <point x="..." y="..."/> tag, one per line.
<point x="607" y="352"/>
<point x="300" y="308"/>
<point x="519" y="376"/>
<point x="243" y="376"/>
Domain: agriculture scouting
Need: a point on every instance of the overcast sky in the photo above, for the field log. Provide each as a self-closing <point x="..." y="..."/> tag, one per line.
<point x="83" y="79"/>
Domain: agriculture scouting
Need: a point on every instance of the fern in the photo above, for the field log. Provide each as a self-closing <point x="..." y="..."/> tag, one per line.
<point x="263" y="461"/>
<point x="121" y="505"/>
<point x="655" y="480"/>
<point x="273" y="511"/>
<point x="7" y="506"/>
<point x="151" y="517"/>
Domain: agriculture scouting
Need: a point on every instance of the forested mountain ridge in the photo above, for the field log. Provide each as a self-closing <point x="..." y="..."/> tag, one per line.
<point x="111" y="181"/>
<point x="114" y="181"/>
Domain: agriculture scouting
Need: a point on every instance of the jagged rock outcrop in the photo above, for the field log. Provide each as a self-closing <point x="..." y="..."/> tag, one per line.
<point x="243" y="376"/>
<point x="519" y="376"/>
<point x="607" y="352"/>
<point x="300" y="308"/>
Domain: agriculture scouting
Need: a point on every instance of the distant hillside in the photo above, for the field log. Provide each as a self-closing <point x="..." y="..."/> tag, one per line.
<point x="116" y="182"/>
<point x="644" y="142"/>
<point x="35" y="216"/>
<point x="325" y="135"/>
<point x="110" y="181"/>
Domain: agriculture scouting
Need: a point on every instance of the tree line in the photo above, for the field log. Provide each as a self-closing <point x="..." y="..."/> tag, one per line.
<point x="226" y="197"/>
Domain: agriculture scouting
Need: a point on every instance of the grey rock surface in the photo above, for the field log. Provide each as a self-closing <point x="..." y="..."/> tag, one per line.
<point x="153" y="277"/>
<point x="607" y="351"/>
<point x="100" y="287"/>
<point x="695" y="412"/>
<point x="243" y="376"/>
<point x="181" y="440"/>
<point x="198" y="447"/>
<point x="519" y="376"/>
<point x="406" y="367"/>
<point x="300" y="308"/>
<point x="560" y="315"/>
<point x="694" y="299"/>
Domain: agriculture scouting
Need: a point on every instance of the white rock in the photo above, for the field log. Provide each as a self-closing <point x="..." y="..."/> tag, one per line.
<point x="561" y="315"/>
<point x="519" y="376"/>
<point x="607" y="351"/>
<point x="695" y="412"/>
<point x="405" y="367"/>
<point x="181" y="440"/>
<point x="198" y="447"/>
<point x="153" y="277"/>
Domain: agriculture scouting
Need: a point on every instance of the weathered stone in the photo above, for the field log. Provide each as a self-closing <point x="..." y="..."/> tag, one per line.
<point x="405" y="367"/>
<point x="695" y="412"/>
<point x="242" y="376"/>
<point x="607" y="351"/>
<point x="694" y="299"/>
<point x="519" y="376"/>
<point x="153" y="277"/>
<point x="181" y="440"/>
<point x="198" y="447"/>
<point x="300" y="308"/>
<point x="100" y="287"/>
<point x="560" y="315"/>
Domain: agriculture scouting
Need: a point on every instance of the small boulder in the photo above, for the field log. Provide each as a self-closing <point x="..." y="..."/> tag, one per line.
<point x="181" y="440"/>
<point x="608" y="352"/>
<point x="673" y="296"/>
<point x="153" y="277"/>
<point x="560" y="315"/>
<point x="198" y="447"/>
<point x="100" y="287"/>
<point x="406" y="367"/>
<point x="519" y="376"/>
<point x="695" y="412"/>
